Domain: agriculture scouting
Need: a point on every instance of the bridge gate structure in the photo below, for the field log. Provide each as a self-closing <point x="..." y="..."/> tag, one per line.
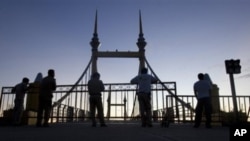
<point x="70" y="102"/>
<point x="167" y="87"/>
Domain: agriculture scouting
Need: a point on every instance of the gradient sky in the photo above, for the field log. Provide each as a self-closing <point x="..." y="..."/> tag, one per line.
<point x="184" y="37"/>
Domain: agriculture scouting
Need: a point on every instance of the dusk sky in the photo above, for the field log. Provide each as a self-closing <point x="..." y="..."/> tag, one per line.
<point x="184" y="38"/>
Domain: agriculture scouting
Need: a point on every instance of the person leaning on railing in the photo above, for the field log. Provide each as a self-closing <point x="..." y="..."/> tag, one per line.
<point x="144" y="81"/>
<point x="19" y="90"/>
<point x="202" y="91"/>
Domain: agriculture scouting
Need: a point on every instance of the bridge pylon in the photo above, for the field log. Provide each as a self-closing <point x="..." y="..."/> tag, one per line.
<point x="140" y="54"/>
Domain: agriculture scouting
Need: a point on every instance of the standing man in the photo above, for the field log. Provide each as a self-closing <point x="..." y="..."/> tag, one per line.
<point x="144" y="81"/>
<point x="47" y="86"/>
<point x="19" y="90"/>
<point x="202" y="91"/>
<point x="95" y="87"/>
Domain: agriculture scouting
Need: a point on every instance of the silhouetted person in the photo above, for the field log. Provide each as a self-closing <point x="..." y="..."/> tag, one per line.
<point x="19" y="90"/>
<point x="47" y="86"/>
<point x="202" y="91"/>
<point x="144" y="81"/>
<point x="95" y="87"/>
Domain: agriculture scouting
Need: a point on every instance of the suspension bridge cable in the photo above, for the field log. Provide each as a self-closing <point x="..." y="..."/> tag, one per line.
<point x="73" y="87"/>
<point x="169" y="91"/>
<point x="133" y="114"/>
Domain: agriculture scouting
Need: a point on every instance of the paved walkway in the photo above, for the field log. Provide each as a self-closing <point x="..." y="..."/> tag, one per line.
<point x="114" y="132"/>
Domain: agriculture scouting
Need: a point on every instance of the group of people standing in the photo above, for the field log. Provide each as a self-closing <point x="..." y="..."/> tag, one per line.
<point x="202" y="91"/>
<point x="47" y="86"/>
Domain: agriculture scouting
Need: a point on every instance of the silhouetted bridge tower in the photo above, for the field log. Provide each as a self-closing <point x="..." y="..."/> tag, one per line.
<point x="140" y="54"/>
<point x="119" y="99"/>
<point x="71" y="102"/>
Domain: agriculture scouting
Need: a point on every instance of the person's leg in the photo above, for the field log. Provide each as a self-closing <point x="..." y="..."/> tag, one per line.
<point x="48" y="106"/>
<point x="40" y="113"/>
<point x="148" y="110"/>
<point x="92" y="110"/>
<point x="17" y="112"/>
<point x="198" y="113"/>
<point x="208" y="112"/>
<point x="100" y="111"/>
<point x="142" y="109"/>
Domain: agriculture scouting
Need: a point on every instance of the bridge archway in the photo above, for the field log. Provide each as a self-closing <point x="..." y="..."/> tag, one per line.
<point x="96" y="54"/>
<point x="165" y="88"/>
<point x="73" y="99"/>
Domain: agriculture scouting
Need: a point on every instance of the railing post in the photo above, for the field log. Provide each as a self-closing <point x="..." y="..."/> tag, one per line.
<point x="58" y="113"/>
<point x="1" y="97"/>
<point x="183" y="113"/>
<point x="234" y="97"/>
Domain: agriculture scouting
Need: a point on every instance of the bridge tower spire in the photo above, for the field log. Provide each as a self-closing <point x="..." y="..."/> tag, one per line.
<point x="141" y="43"/>
<point x="95" y="44"/>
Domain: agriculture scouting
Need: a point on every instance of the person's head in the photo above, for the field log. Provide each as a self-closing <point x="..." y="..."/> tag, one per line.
<point x="144" y="70"/>
<point x="200" y="76"/>
<point x="95" y="75"/>
<point x="51" y="72"/>
<point x="25" y="80"/>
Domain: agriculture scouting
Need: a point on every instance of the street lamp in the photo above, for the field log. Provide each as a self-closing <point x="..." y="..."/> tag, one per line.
<point x="233" y="67"/>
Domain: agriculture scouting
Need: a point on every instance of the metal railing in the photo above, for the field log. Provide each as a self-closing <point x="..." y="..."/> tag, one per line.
<point x="120" y="103"/>
<point x="222" y="107"/>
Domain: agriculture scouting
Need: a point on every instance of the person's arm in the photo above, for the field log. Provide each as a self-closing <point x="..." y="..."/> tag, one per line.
<point x="102" y="86"/>
<point x="195" y="92"/>
<point x="13" y="90"/>
<point x="54" y="85"/>
<point x="153" y="80"/>
<point x="26" y="88"/>
<point x="210" y="90"/>
<point x="134" y="80"/>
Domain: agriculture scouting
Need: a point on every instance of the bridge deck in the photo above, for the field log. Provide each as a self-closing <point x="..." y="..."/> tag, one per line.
<point x="114" y="132"/>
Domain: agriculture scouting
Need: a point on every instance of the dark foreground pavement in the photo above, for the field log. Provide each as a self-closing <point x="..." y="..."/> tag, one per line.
<point x="114" y="132"/>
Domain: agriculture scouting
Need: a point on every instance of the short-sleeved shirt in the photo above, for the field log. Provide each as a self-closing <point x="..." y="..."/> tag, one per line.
<point x="144" y="81"/>
<point x="202" y="89"/>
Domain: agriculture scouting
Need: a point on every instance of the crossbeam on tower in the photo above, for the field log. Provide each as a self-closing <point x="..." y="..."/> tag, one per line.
<point x="140" y="54"/>
<point x="117" y="54"/>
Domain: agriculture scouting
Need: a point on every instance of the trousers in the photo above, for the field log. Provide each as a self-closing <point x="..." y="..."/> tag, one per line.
<point x="145" y="108"/>
<point x="203" y="103"/>
<point x="96" y="103"/>
<point x="44" y="109"/>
